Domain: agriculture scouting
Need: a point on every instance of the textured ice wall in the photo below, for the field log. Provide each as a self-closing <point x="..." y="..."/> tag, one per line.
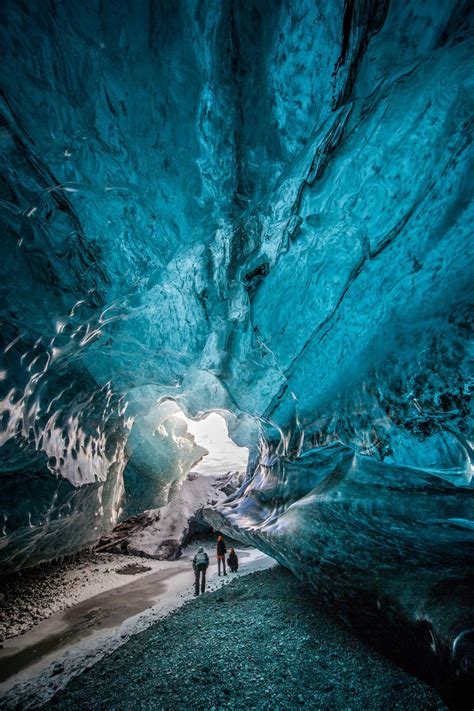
<point x="161" y="452"/>
<point x="259" y="207"/>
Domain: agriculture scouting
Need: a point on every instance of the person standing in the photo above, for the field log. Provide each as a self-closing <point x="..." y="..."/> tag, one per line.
<point x="233" y="561"/>
<point x="200" y="565"/>
<point x="221" y="551"/>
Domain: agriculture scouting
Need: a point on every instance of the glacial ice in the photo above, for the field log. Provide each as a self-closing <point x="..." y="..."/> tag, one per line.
<point x="256" y="208"/>
<point x="163" y="532"/>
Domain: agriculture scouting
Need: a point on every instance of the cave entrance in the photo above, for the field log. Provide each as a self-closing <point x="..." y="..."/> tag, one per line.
<point x="224" y="455"/>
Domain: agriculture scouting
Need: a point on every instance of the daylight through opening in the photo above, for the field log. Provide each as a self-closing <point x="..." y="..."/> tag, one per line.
<point x="224" y="455"/>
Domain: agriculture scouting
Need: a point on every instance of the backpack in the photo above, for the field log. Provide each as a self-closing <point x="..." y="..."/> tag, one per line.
<point x="201" y="558"/>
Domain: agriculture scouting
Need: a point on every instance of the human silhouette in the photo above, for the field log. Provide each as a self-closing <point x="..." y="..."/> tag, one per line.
<point x="221" y="551"/>
<point x="200" y="565"/>
<point x="233" y="561"/>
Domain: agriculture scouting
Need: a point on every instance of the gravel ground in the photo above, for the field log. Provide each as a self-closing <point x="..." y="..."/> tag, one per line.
<point x="263" y="642"/>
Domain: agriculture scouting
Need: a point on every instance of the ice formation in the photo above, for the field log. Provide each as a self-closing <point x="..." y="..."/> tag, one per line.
<point x="257" y="208"/>
<point x="163" y="532"/>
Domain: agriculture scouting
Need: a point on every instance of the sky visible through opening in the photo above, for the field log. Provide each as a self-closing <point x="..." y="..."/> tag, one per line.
<point x="224" y="455"/>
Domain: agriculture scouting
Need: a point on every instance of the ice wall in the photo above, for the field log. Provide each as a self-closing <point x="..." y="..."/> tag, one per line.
<point x="257" y="207"/>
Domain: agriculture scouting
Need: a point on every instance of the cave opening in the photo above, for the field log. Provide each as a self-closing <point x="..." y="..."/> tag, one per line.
<point x="223" y="455"/>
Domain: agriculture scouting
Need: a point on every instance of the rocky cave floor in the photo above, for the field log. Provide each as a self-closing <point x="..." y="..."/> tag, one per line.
<point x="262" y="642"/>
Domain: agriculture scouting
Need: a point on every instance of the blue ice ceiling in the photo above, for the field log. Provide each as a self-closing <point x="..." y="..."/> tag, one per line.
<point x="261" y="208"/>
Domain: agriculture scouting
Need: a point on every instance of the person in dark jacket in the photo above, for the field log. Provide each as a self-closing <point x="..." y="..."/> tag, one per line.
<point x="233" y="561"/>
<point x="200" y="565"/>
<point x="221" y="551"/>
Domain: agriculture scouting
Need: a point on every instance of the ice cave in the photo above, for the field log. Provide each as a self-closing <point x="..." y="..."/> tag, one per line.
<point x="260" y="209"/>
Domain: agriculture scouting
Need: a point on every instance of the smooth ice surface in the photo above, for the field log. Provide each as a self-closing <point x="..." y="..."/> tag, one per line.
<point x="257" y="208"/>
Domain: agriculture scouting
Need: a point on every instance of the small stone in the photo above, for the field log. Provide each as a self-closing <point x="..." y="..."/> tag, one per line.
<point x="57" y="669"/>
